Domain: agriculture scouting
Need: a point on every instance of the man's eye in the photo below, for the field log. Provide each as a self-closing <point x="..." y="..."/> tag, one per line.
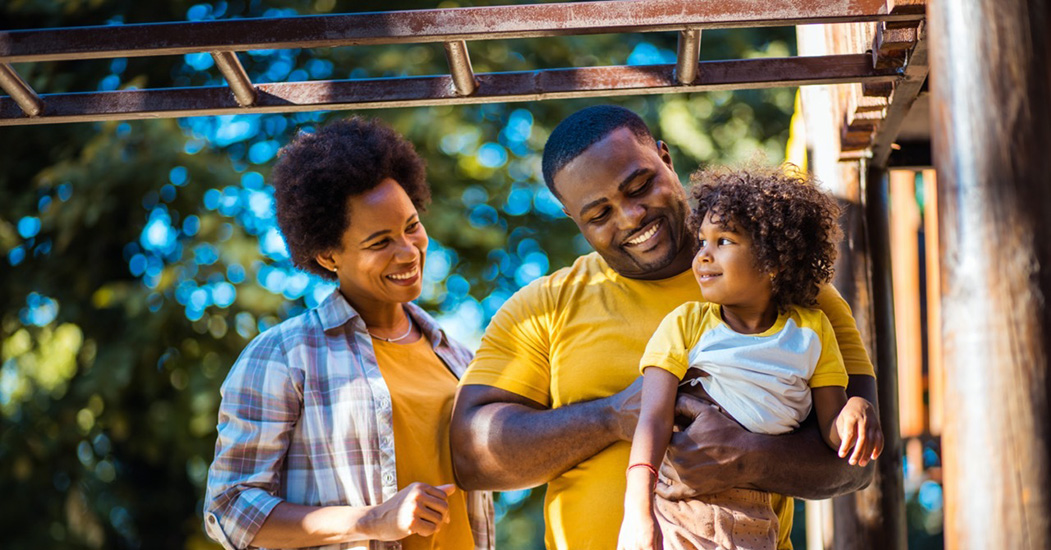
<point x="641" y="189"/>
<point x="600" y="217"/>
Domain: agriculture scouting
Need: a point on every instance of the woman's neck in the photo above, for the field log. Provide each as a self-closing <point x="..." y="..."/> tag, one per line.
<point x="749" y="319"/>
<point x="379" y="316"/>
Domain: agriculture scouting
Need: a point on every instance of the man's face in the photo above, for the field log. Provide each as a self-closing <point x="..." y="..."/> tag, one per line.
<point x="628" y="203"/>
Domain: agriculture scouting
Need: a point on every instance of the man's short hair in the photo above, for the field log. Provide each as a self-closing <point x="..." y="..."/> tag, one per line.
<point x="583" y="129"/>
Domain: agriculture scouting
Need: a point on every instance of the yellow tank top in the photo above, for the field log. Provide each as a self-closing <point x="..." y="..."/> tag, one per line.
<point x="421" y="391"/>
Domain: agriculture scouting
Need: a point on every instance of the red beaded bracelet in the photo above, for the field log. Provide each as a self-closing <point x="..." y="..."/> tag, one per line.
<point x="643" y="465"/>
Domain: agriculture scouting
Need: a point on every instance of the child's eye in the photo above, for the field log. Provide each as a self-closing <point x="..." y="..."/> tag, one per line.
<point x="724" y="240"/>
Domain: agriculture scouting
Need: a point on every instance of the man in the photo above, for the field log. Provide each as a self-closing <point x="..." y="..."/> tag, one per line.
<point x="553" y="393"/>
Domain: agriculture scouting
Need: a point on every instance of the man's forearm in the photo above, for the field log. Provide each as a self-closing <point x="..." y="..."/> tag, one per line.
<point x="502" y="441"/>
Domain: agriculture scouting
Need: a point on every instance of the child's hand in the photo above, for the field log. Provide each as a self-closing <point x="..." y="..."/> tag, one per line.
<point x="639" y="531"/>
<point x="858" y="427"/>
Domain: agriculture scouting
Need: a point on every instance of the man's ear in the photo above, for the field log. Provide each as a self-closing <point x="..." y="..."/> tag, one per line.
<point x="665" y="154"/>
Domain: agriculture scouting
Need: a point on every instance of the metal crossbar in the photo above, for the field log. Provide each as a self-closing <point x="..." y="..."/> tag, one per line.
<point x="452" y="27"/>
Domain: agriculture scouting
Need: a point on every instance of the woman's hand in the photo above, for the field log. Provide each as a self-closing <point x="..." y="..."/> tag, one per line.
<point x="418" y="509"/>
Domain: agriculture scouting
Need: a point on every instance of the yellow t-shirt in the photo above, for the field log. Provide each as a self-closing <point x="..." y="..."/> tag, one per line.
<point x="762" y="380"/>
<point x="421" y="393"/>
<point x="577" y="335"/>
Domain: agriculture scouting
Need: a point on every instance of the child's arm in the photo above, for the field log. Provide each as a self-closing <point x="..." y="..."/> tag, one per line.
<point x="652" y="434"/>
<point x="847" y="423"/>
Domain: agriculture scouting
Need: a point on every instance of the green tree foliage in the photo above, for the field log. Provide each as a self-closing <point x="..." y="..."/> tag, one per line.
<point x="138" y="258"/>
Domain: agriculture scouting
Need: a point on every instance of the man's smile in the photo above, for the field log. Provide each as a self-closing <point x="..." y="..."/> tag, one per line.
<point x="644" y="235"/>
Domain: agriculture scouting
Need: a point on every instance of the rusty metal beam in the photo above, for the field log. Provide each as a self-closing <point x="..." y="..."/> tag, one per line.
<point x="439" y="90"/>
<point x="419" y="26"/>
<point x="460" y="69"/>
<point x="689" y="53"/>
<point x="236" y="77"/>
<point x="21" y="93"/>
<point x="904" y="95"/>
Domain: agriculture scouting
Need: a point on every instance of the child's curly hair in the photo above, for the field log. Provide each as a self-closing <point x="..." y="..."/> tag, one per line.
<point x="792" y="223"/>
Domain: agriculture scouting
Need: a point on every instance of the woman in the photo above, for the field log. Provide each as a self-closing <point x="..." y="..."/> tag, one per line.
<point x="333" y="427"/>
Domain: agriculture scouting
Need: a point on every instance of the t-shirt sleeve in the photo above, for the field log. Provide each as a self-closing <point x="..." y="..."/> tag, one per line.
<point x="514" y="354"/>
<point x="855" y="357"/>
<point x="830" y="370"/>
<point x="669" y="347"/>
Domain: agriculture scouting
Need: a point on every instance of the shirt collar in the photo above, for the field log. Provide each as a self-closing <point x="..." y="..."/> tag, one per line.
<point x="335" y="311"/>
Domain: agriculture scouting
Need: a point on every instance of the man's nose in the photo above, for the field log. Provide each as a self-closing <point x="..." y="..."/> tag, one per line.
<point x="631" y="216"/>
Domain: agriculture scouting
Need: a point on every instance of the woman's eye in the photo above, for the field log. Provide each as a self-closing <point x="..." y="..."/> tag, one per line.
<point x="413" y="227"/>
<point x="378" y="244"/>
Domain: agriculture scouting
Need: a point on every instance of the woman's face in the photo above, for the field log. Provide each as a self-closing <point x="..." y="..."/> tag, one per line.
<point x="383" y="249"/>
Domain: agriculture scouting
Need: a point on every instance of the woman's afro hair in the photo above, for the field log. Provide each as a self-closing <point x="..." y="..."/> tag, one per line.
<point x="318" y="172"/>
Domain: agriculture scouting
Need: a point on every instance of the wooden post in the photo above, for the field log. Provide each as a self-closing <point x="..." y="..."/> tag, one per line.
<point x="875" y="517"/>
<point x="991" y="131"/>
<point x="935" y="370"/>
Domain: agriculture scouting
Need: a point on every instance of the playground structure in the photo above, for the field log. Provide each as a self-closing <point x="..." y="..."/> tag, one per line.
<point x="957" y="92"/>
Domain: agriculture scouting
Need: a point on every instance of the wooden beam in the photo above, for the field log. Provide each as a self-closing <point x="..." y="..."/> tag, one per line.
<point x="236" y="77"/>
<point x="439" y="90"/>
<point x="991" y="121"/>
<point x="21" y="93"/>
<point x="905" y="92"/>
<point x="419" y="26"/>
<point x="935" y="364"/>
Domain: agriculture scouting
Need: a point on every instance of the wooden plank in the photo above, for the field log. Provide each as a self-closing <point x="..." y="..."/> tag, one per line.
<point x="905" y="273"/>
<point x="935" y="364"/>
<point x="905" y="92"/>
<point x="418" y="26"/>
<point x="439" y="90"/>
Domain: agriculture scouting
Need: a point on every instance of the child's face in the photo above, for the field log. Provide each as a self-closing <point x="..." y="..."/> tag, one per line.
<point x="725" y="268"/>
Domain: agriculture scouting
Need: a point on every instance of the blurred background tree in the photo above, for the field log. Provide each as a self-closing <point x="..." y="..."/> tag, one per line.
<point x="138" y="258"/>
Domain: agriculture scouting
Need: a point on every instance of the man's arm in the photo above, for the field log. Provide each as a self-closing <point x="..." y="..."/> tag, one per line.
<point x="503" y="441"/>
<point x="714" y="453"/>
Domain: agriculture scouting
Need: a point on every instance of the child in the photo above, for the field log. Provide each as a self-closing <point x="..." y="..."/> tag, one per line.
<point x="767" y="244"/>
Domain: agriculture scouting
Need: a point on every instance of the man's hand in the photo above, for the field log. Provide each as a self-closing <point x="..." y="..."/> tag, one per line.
<point x="706" y="455"/>
<point x="624" y="408"/>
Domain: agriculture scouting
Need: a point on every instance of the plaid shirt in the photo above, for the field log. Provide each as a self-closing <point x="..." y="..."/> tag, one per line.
<point x="306" y="418"/>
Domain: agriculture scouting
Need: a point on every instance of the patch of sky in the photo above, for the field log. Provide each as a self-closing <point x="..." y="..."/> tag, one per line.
<point x="358" y="73"/>
<point x="260" y="204"/>
<point x="194" y="146"/>
<point x="274" y="125"/>
<point x="648" y="54"/>
<point x="183" y="291"/>
<point x="85" y="454"/>
<point x="154" y="267"/>
<point x="319" y="68"/>
<point x="519" y="200"/>
<point x="298" y="75"/>
<point x="44" y="204"/>
<point x="273" y="245"/>
<point x="205" y="254"/>
<point x="494" y="301"/>
<point x="262" y="152"/>
<point x="440" y="261"/>
<point x="29" y="227"/>
<point x="520" y="170"/>
<point x="279" y="12"/>
<point x="252" y="180"/>
<point x="492" y="155"/>
<point x="231" y="129"/>
<point x="534" y="265"/>
<point x="158" y="236"/>
<point x="456" y="285"/>
<point x="930" y="496"/>
<point x="40" y="310"/>
<point x="224" y="294"/>
<point x="519" y="126"/>
<point x="118" y="65"/>
<point x="296" y="285"/>
<point x="271" y="278"/>
<point x="464" y="323"/>
<point x="547" y="204"/>
<point x="178" y="176"/>
<point x="167" y="192"/>
<point x="474" y="195"/>
<point x="278" y="69"/>
<point x="483" y="215"/>
<point x="191" y="225"/>
<point x="320" y="291"/>
<point x="64" y="191"/>
<point x="109" y="83"/>
<point x="150" y="200"/>
<point x="230" y="202"/>
<point x="502" y="260"/>
<point x="137" y="265"/>
<point x="198" y="12"/>
<point x="201" y="61"/>
<point x="461" y="142"/>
